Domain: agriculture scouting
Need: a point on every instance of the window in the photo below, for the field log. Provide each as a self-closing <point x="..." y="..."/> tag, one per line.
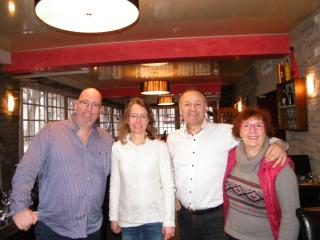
<point x="71" y="106"/>
<point x="40" y="107"/>
<point x="33" y="114"/>
<point x="210" y="114"/>
<point x="106" y="118"/>
<point x="165" y="119"/>
<point x="116" y="118"/>
<point x="55" y="107"/>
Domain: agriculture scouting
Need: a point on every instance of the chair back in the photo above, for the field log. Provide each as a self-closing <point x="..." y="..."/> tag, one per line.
<point x="309" y="219"/>
<point x="301" y="164"/>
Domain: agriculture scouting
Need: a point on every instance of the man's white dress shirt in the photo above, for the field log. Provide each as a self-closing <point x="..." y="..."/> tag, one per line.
<point x="199" y="164"/>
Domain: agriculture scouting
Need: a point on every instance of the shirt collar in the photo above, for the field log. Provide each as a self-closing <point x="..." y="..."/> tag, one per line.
<point x="203" y="127"/>
<point x="75" y="127"/>
<point x="132" y="144"/>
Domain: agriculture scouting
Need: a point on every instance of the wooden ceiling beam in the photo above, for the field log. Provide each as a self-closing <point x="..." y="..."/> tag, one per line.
<point x="148" y="51"/>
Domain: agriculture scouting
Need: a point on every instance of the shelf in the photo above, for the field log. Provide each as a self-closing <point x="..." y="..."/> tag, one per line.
<point x="292" y="117"/>
<point x="289" y="106"/>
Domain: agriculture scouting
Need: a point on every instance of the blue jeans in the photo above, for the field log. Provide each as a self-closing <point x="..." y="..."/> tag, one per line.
<point x="150" y="231"/>
<point x="228" y="237"/>
<point x="43" y="232"/>
<point x="208" y="226"/>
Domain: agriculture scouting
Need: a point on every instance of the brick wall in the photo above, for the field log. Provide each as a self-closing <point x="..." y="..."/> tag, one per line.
<point x="9" y="130"/>
<point x="306" y="40"/>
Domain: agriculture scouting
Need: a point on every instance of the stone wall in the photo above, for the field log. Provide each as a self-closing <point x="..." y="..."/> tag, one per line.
<point x="9" y="130"/>
<point x="306" y="41"/>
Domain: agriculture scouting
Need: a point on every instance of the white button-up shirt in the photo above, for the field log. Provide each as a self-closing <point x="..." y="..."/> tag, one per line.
<point x="142" y="185"/>
<point x="199" y="164"/>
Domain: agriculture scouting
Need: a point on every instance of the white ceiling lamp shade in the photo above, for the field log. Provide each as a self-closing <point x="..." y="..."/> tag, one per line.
<point x="88" y="16"/>
<point x="155" y="87"/>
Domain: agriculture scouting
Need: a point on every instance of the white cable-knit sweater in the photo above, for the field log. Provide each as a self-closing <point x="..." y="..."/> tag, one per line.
<point x="142" y="186"/>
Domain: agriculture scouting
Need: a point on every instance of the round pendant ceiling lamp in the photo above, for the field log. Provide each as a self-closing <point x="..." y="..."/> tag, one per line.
<point x="155" y="88"/>
<point x="165" y="100"/>
<point x="88" y="16"/>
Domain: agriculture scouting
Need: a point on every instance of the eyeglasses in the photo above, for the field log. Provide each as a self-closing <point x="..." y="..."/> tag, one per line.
<point x="87" y="103"/>
<point x="137" y="116"/>
<point x="247" y="126"/>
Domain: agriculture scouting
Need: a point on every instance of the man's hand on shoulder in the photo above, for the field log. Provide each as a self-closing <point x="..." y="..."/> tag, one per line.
<point x="277" y="153"/>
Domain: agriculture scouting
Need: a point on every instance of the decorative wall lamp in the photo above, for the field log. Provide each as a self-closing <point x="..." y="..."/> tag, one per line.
<point x="165" y="100"/>
<point x="88" y="16"/>
<point x="310" y="85"/>
<point x="10" y="103"/>
<point x="155" y="87"/>
<point x="239" y="106"/>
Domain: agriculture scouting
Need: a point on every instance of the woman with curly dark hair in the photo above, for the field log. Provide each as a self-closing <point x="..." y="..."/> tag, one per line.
<point x="259" y="200"/>
<point x="142" y="187"/>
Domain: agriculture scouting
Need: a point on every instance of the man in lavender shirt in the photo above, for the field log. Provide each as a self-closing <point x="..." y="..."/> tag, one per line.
<point x="71" y="159"/>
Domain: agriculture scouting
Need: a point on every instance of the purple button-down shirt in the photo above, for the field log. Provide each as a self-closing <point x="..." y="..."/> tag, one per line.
<point x="72" y="178"/>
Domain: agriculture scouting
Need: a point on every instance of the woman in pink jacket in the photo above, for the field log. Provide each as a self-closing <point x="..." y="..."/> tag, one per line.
<point x="259" y="200"/>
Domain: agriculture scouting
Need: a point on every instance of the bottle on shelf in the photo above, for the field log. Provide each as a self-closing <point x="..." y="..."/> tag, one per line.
<point x="281" y="72"/>
<point x="287" y="70"/>
<point x="284" y="97"/>
<point x="290" y="96"/>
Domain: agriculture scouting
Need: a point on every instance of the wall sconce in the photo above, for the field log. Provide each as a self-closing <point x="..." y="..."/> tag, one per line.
<point x="310" y="85"/>
<point x="10" y="103"/>
<point x="239" y="106"/>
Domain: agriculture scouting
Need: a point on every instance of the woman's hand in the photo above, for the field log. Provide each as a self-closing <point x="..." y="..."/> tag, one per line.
<point x="168" y="232"/>
<point x="115" y="227"/>
<point x="178" y="205"/>
<point x="276" y="152"/>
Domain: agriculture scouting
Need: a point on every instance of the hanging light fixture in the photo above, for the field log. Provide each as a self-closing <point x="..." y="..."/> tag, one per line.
<point x="165" y="100"/>
<point x="155" y="87"/>
<point x="157" y="64"/>
<point x="88" y="16"/>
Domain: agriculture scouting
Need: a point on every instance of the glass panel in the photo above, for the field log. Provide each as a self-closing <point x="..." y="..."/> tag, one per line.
<point x="25" y="128"/>
<point x="24" y="111"/>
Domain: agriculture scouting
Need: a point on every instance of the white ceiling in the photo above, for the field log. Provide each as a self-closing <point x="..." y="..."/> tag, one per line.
<point x="160" y="19"/>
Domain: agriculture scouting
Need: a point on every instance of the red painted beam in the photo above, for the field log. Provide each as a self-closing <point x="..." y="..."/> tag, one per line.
<point x="142" y="51"/>
<point x="174" y="89"/>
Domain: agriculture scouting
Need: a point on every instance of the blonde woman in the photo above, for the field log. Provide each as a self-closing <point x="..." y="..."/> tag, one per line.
<point x="142" y="187"/>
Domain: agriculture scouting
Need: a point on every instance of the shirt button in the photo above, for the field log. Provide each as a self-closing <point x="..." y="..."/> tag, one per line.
<point x="193" y="152"/>
<point x="88" y="179"/>
<point x="194" y="140"/>
<point x="191" y="179"/>
<point x="189" y="191"/>
<point x="192" y="165"/>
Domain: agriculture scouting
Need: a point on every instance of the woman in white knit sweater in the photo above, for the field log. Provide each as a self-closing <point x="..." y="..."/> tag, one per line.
<point x="142" y="186"/>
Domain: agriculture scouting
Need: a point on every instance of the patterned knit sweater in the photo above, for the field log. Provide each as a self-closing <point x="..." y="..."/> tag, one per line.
<point x="247" y="217"/>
